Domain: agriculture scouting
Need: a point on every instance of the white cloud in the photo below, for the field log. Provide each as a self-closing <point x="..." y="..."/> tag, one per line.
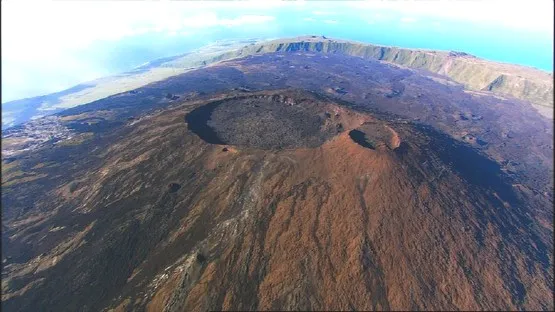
<point x="246" y="19"/>
<point x="322" y="13"/>
<point x="309" y="19"/>
<point x="408" y="19"/>
<point x="530" y="15"/>
<point x="375" y="17"/>
<point x="48" y="41"/>
<point x="330" y="21"/>
<point x="62" y="25"/>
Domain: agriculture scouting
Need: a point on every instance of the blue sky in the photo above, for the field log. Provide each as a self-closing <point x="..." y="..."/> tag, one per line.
<point x="51" y="46"/>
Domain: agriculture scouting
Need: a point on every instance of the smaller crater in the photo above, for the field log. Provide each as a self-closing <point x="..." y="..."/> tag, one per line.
<point x="360" y="138"/>
<point x="375" y="135"/>
<point x="173" y="187"/>
<point x="172" y="97"/>
<point x="200" y="258"/>
<point x="481" y="142"/>
<point x="341" y="91"/>
<point x="73" y="186"/>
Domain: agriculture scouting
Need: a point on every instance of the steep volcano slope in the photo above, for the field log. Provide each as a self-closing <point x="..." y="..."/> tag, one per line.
<point x="360" y="209"/>
<point x="174" y="223"/>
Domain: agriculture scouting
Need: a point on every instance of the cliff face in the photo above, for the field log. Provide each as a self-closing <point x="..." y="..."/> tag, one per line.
<point x="476" y="74"/>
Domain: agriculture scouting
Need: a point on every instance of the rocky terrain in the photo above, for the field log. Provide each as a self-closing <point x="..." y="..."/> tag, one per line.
<point x="284" y="181"/>
<point x="529" y="84"/>
<point x="474" y="73"/>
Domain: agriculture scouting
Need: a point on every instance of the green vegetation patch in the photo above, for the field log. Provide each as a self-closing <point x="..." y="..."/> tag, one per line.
<point x="45" y="165"/>
<point x="11" y="170"/>
<point x="77" y="140"/>
<point x="14" y="181"/>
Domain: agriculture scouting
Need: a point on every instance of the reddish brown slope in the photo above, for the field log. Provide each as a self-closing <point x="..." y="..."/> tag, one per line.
<point x="406" y="218"/>
<point x="343" y="227"/>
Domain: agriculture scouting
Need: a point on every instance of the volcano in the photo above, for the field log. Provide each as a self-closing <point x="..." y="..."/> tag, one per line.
<point x="285" y="181"/>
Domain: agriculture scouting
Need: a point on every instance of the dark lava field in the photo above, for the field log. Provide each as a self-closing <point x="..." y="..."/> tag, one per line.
<point x="285" y="181"/>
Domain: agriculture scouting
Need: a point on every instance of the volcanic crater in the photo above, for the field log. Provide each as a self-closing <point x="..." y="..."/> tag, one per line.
<point x="283" y="119"/>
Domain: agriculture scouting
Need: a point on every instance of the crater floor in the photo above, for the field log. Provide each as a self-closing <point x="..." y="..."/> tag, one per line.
<point x="280" y="119"/>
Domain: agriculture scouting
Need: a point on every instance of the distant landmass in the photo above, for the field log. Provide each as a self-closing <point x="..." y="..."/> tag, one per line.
<point x="525" y="83"/>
